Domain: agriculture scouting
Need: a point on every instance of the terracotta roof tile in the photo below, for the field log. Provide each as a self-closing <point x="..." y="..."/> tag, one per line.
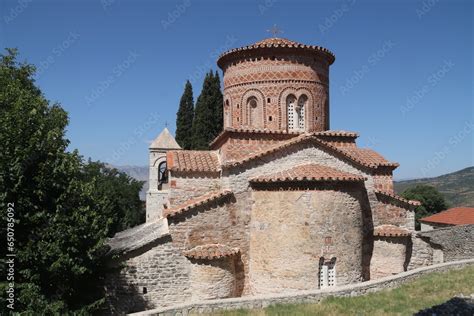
<point x="367" y="157"/>
<point x="193" y="160"/>
<point x="397" y="197"/>
<point x="276" y="42"/>
<point x="192" y="203"/>
<point x="453" y="216"/>
<point x="337" y="133"/>
<point x="211" y="251"/>
<point x="364" y="157"/>
<point x="391" y="231"/>
<point x="310" y="172"/>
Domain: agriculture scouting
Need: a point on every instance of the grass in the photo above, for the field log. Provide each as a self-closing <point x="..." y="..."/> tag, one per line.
<point x="427" y="291"/>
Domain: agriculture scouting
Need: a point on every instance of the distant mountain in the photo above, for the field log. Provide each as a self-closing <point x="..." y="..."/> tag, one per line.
<point x="457" y="187"/>
<point x="138" y="172"/>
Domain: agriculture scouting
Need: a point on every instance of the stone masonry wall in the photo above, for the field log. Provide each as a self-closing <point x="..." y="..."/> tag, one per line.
<point x="303" y="297"/>
<point x="446" y="244"/>
<point x="292" y="229"/>
<point x="224" y="223"/>
<point x="155" y="277"/>
<point x="389" y="256"/>
<point x="185" y="186"/>
<point x="211" y="279"/>
<point x="237" y="178"/>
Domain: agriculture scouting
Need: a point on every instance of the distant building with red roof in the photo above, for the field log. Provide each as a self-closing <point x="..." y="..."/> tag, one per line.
<point x="451" y="217"/>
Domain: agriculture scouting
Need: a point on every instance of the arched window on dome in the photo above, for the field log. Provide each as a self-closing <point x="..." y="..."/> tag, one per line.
<point x="290" y="106"/>
<point x="254" y="113"/>
<point x="300" y="111"/>
<point x="227" y="114"/>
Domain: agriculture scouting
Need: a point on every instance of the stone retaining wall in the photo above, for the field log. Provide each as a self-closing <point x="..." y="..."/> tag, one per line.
<point x="256" y="302"/>
<point x="442" y="245"/>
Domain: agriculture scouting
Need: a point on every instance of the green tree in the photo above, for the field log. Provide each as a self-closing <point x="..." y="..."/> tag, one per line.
<point x="203" y="117"/>
<point x="207" y="122"/>
<point x="64" y="208"/>
<point x="432" y="201"/>
<point x="216" y="104"/>
<point x="184" y="118"/>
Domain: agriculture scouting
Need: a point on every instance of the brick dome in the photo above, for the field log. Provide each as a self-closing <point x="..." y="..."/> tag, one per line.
<point x="277" y="84"/>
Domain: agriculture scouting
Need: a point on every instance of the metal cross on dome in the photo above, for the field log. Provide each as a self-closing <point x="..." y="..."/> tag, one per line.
<point x="275" y="30"/>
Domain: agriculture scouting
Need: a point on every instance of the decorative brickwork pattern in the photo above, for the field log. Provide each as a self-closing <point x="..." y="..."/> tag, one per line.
<point x="259" y="78"/>
<point x="391" y="231"/>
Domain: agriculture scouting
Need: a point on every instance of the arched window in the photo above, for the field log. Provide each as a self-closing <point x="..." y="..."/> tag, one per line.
<point x="254" y="115"/>
<point x="162" y="173"/>
<point x="227" y="114"/>
<point x="290" y="106"/>
<point x="300" y="111"/>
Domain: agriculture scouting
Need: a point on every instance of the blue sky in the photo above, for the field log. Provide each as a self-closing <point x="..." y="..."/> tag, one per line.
<point x="403" y="75"/>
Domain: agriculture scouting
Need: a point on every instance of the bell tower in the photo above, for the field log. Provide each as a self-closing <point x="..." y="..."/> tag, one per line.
<point x="157" y="193"/>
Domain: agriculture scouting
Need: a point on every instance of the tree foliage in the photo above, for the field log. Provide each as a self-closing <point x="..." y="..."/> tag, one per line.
<point x="184" y="118"/>
<point x="208" y="115"/>
<point x="432" y="201"/>
<point x="64" y="207"/>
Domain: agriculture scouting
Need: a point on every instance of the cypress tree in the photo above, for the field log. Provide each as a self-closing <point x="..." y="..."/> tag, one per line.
<point x="217" y="101"/>
<point x="203" y="116"/>
<point x="208" y="115"/>
<point x="184" y="118"/>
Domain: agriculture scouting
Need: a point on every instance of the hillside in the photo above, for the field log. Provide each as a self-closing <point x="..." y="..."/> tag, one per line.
<point x="457" y="187"/>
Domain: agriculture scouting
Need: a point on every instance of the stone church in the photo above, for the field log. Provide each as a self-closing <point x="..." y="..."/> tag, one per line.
<point x="280" y="203"/>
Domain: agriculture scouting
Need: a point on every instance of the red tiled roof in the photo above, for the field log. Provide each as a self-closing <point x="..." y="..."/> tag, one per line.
<point x="192" y="203"/>
<point x="193" y="160"/>
<point x="337" y="133"/>
<point x="310" y="172"/>
<point x="453" y="216"/>
<point x="391" y="231"/>
<point x="397" y="197"/>
<point x="367" y="157"/>
<point x="364" y="157"/>
<point x="211" y="251"/>
<point x="277" y="43"/>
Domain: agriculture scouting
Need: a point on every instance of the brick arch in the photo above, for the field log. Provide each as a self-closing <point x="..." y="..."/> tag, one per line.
<point x="297" y="92"/>
<point x="245" y="111"/>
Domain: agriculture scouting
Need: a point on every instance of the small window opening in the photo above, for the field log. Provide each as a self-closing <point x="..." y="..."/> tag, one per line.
<point x="268" y="100"/>
<point x="270" y="118"/>
<point x="327" y="273"/>
<point x="145" y="290"/>
<point x="162" y="173"/>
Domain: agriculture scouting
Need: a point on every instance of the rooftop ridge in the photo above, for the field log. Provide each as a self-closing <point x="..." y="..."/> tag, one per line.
<point x="276" y="42"/>
<point x="309" y="172"/>
<point x="195" y="202"/>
